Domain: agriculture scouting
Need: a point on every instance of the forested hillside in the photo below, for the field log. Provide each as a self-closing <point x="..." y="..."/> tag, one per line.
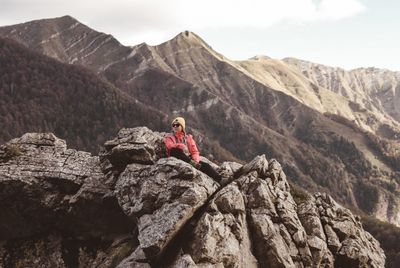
<point x="40" y="94"/>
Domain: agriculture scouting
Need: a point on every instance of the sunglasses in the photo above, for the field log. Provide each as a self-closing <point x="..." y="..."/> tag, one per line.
<point x="175" y="125"/>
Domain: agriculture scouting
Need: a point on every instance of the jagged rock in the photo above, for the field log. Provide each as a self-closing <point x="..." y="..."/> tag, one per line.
<point x="44" y="185"/>
<point x="317" y="241"/>
<point x="162" y="197"/>
<point x="183" y="218"/>
<point x="227" y="171"/>
<point x="340" y="232"/>
<point x="254" y="221"/>
<point x="221" y="236"/>
<point x="240" y="227"/>
<point x="230" y="167"/>
<point x="358" y="248"/>
<point x="289" y="250"/>
<point x="135" y="145"/>
<point x="258" y="164"/>
<point x="132" y="145"/>
<point x="136" y="260"/>
<point x="161" y="194"/>
<point x="187" y="262"/>
<point x="332" y="239"/>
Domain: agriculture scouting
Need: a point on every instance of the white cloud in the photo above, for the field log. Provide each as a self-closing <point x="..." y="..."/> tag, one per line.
<point x="258" y="13"/>
<point x="155" y="19"/>
<point x="338" y="9"/>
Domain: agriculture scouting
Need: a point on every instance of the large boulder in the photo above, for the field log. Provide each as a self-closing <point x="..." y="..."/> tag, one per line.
<point x="342" y="232"/>
<point x="162" y="198"/>
<point x="132" y="145"/>
<point x="44" y="185"/>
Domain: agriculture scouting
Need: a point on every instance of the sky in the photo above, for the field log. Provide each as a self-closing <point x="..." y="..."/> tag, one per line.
<point x="340" y="33"/>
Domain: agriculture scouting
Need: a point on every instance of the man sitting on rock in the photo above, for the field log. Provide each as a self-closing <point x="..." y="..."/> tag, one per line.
<point x="182" y="146"/>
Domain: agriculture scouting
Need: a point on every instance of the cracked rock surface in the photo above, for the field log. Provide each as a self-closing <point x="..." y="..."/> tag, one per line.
<point x="132" y="206"/>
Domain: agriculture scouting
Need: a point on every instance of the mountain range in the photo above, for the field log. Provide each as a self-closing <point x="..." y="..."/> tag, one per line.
<point x="333" y="130"/>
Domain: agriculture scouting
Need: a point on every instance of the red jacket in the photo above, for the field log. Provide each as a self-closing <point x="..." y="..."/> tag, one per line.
<point x="178" y="141"/>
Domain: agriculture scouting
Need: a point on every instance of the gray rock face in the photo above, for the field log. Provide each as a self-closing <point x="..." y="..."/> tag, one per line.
<point x="182" y="217"/>
<point x="162" y="197"/>
<point x="344" y="236"/>
<point x="50" y="196"/>
<point x="43" y="184"/>
<point x="137" y="145"/>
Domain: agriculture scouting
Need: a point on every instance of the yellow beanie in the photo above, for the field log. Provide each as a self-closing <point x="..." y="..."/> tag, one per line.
<point x="180" y="121"/>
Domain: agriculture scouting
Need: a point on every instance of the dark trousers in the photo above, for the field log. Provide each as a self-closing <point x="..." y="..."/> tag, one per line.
<point x="204" y="167"/>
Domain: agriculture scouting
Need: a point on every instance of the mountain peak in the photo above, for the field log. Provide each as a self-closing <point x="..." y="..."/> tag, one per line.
<point x="188" y="40"/>
<point x="260" y="58"/>
<point x="190" y="37"/>
<point x="66" y="19"/>
<point x="187" y="34"/>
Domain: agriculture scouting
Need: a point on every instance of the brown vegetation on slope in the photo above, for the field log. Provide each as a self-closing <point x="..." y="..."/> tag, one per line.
<point x="388" y="236"/>
<point x="38" y="93"/>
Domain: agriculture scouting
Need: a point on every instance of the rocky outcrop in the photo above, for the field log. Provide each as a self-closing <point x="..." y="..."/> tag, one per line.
<point x="44" y="184"/>
<point x="332" y="229"/>
<point x="255" y="222"/>
<point x="134" y="207"/>
<point x="55" y="208"/>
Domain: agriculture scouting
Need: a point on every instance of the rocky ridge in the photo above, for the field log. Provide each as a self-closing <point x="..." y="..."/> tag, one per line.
<point x="366" y="96"/>
<point x="131" y="206"/>
<point x="371" y="88"/>
<point x="310" y="84"/>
